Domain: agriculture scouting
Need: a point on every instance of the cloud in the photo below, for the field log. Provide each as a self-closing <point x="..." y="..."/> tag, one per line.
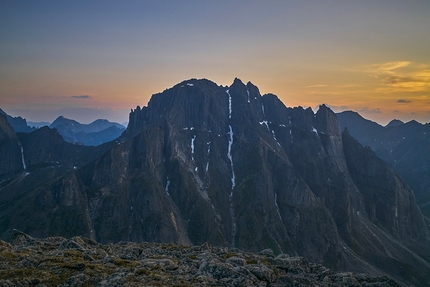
<point x="316" y="86"/>
<point x="396" y="111"/>
<point x="400" y="76"/>
<point x="390" y="66"/>
<point x="338" y="108"/>
<point x="401" y="101"/>
<point x="81" y="97"/>
<point x="369" y="111"/>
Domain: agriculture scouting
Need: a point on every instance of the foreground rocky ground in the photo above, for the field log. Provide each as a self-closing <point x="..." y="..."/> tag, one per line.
<point x="56" y="261"/>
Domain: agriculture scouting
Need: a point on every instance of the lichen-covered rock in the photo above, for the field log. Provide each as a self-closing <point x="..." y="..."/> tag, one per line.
<point x="79" y="261"/>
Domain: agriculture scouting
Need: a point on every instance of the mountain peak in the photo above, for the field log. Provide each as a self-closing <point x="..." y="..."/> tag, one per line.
<point x="238" y="81"/>
<point x="394" y="123"/>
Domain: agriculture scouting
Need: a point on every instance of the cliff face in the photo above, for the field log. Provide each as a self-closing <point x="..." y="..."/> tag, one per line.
<point x="225" y="165"/>
<point x="404" y="145"/>
<point x="11" y="161"/>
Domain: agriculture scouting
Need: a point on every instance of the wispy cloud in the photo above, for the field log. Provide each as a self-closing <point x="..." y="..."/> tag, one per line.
<point x="368" y="111"/>
<point x="317" y="86"/>
<point x="400" y="76"/>
<point x="401" y="101"/>
<point x="81" y="97"/>
<point x="390" y="66"/>
<point x="338" y="108"/>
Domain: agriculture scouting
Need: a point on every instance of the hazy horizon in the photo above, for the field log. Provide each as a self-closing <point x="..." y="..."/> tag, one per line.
<point x="90" y="60"/>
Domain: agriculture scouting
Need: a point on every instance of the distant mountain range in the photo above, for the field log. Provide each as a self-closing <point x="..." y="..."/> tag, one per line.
<point x="223" y="165"/>
<point x="93" y="134"/>
<point x="19" y="124"/>
<point x="404" y="145"/>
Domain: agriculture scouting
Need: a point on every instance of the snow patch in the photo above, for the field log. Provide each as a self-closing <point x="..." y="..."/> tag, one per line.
<point x="188" y="84"/>
<point x="209" y="152"/>
<point x="282" y="125"/>
<point x="265" y="123"/>
<point x="229" y="104"/>
<point x="192" y="147"/>
<point x="167" y="186"/>
<point x="230" y="143"/>
<point x="262" y="108"/>
<point x="274" y="137"/>
<point x="314" y="130"/>
<point x="247" y="91"/>
<point x="22" y="156"/>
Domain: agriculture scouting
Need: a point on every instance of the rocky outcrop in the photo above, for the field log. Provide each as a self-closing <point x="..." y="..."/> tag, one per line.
<point x="80" y="261"/>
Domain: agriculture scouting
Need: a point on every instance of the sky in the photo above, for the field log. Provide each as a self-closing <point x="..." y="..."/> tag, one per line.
<point x="98" y="59"/>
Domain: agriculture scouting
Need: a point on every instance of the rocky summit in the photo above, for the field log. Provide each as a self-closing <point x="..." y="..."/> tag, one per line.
<point x="80" y="261"/>
<point x="230" y="167"/>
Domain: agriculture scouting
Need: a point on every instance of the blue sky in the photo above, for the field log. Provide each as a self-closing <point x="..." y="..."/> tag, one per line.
<point x="99" y="59"/>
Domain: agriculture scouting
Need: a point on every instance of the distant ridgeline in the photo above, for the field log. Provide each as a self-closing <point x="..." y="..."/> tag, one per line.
<point x="404" y="145"/>
<point x="93" y="134"/>
<point x="227" y="166"/>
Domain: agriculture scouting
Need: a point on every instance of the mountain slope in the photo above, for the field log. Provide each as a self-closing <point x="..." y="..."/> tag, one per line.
<point x="93" y="134"/>
<point x="405" y="145"/>
<point x="19" y="124"/>
<point x="225" y="165"/>
<point x="10" y="150"/>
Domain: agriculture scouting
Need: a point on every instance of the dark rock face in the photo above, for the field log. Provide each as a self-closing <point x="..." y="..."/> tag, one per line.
<point x="404" y="145"/>
<point x="80" y="261"/>
<point x="10" y="151"/>
<point x="227" y="166"/>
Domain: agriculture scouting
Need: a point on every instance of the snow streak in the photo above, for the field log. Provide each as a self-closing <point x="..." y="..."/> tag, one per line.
<point x="229" y="104"/>
<point x="209" y="152"/>
<point x="274" y="137"/>
<point x="233" y="178"/>
<point x="247" y="91"/>
<point x="230" y="143"/>
<point x="22" y="156"/>
<point x="277" y="207"/>
<point x="167" y="186"/>
<point x="192" y="147"/>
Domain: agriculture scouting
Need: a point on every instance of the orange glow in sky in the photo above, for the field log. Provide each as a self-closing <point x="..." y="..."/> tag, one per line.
<point x="101" y="59"/>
